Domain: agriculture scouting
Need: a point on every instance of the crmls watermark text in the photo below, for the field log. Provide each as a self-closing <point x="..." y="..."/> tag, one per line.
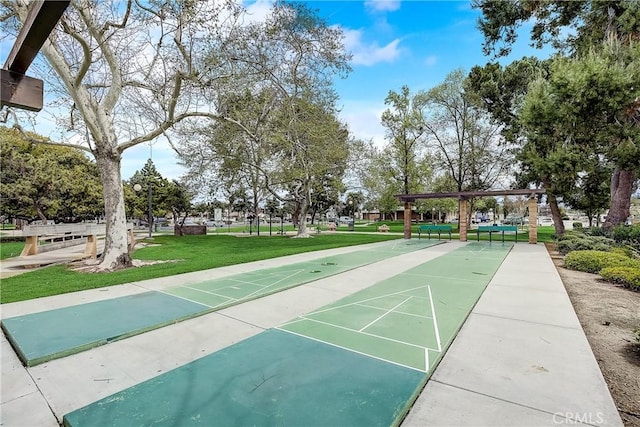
<point x="580" y="417"/>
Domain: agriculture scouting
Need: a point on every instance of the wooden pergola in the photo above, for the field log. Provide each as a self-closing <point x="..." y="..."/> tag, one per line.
<point x="17" y="89"/>
<point x="463" y="197"/>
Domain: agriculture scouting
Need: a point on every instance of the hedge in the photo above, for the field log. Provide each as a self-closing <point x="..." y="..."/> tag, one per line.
<point x="579" y="242"/>
<point x="9" y="239"/>
<point x="626" y="276"/>
<point x="591" y="261"/>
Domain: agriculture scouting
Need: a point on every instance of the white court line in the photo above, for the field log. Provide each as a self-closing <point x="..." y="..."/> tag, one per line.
<point x="383" y="315"/>
<point x="279" y="274"/>
<point x="367" y="333"/>
<point x="356" y="351"/>
<point x="426" y="359"/>
<point x="399" y="312"/>
<point x="211" y="293"/>
<point x="273" y="284"/>
<point x="368" y="299"/>
<point x="187" y="299"/>
<point x="439" y="277"/>
<point x="435" y="321"/>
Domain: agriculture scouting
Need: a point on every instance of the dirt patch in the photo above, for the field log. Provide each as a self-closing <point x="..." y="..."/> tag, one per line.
<point x="91" y="266"/>
<point x="608" y="314"/>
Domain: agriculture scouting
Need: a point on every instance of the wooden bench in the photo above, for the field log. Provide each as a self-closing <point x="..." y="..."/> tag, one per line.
<point x="384" y="228"/>
<point x="497" y="229"/>
<point x="63" y="235"/>
<point x="442" y="228"/>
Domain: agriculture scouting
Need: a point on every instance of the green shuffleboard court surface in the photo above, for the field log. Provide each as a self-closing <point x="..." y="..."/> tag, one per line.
<point x="271" y="379"/>
<point x="52" y="334"/>
<point x="49" y="335"/>
<point x="360" y="361"/>
<point x="411" y="318"/>
<point x="225" y="292"/>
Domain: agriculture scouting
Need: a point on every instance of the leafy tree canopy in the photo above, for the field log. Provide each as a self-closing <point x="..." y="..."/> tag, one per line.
<point x="46" y="182"/>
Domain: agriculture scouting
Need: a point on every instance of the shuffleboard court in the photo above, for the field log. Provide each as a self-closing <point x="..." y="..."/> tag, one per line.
<point x="360" y="361"/>
<point x="52" y="334"/>
<point x="40" y="337"/>
<point x="410" y="318"/>
<point x="271" y="379"/>
<point x="225" y="292"/>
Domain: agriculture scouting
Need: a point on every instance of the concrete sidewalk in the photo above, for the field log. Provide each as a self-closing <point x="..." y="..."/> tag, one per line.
<point x="520" y="359"/>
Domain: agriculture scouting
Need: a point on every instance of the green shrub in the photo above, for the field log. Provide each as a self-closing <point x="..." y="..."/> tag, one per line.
<point x="591" y="261"/>
<point x="627" y="235"/>
<point x="577" y="224"/>
<point x="581" y="242"/>
<point x="7" y="239"/>
<point x="596" y="231"/>
<point x="627" y="276"/>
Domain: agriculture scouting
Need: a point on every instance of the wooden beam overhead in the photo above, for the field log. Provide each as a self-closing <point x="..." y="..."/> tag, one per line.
<point x="20" y="91"/>
<point x="16" y="89"/>
<point x="41" y="20"/>
<point x="468" y="194"/>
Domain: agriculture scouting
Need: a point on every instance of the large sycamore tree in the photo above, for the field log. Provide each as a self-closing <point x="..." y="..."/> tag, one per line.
<point x="124" y="73"/>
<point x="280" y="133"/>
<point x="600" y="106"/>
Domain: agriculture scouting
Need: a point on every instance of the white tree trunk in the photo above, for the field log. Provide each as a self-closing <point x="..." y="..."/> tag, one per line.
<point x="116" y="249"/>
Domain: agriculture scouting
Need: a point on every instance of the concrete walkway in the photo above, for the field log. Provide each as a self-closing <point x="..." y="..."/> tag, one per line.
<point x="22" y="264"/>
<point x="520" y="359"/>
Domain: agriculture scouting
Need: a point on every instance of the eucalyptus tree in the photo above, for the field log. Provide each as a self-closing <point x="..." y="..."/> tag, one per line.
<point x="405" y="151"/>
<point x="465" y="139"/>
<point x="579" y="118"/>
<point x="280" y="113"/>
<point x="368" y="166"/>
<point x="569" y="26"/>
<point x="591" y="194"/>
<point x="466" y="142"/>
<point x="124" y="73"/>
<point x="616" y="24"/>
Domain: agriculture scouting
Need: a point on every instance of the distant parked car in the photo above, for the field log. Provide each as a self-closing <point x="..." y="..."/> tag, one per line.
<point x="546" y="221"/>
<point x="454" y="221"/>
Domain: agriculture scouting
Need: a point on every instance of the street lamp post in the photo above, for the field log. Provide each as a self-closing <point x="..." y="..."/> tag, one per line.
<point x="150" y="209"/>
<point x="137" y="188"/>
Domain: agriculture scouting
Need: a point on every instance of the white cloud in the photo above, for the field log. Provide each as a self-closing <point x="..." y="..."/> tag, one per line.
<point x="369" y="53"/>
<point x="382" y="5"/>
<point x="431" y="60"/>
<point x="258" y="11"/>
<point x="363" y="119"/>
<point x="163" y="156"/>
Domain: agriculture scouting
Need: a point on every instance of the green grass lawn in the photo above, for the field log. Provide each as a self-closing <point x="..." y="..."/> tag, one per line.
<point x="194" y="253"/>
<point x="188" y="253"/>
<point x="10" y="249"/>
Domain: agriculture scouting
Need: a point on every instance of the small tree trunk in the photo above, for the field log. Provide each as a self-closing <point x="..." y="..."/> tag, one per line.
<point x="41" y="214"/>
<point x="116" y="250"/>
<point x="555" y="214"/>
<point x="621" y="189"/>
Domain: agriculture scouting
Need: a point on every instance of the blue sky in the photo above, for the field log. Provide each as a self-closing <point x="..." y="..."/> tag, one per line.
<point x="394" y="43"/>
